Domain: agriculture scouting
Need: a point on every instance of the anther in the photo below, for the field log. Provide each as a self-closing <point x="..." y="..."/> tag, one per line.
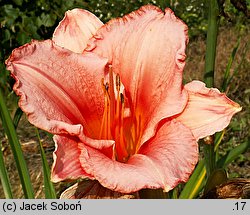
<point x="118" y="82"/>
<point x="102" y="80"/>
<point x="106" y="86"/>
<point x="122" y="98"/>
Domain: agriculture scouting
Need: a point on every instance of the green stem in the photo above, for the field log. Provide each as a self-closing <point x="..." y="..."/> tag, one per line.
<point x="16" y="149"/>
<point x="212" y="30"/>
<point x="213" y="23"/>
<point x="48" y="185"/>
<point x="209" y="156"/>
<point x="4" y="177"/>
<point x="173" y="194"/>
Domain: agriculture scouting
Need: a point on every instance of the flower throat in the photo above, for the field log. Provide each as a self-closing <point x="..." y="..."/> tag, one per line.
<point x="117" y="124"/>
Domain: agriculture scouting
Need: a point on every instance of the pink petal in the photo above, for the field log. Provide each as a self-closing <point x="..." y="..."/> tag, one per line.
<point x="164" y="161"/>
<point x="76" y="28"/>
<point x="207" y="111"/>
<point x="66" y="160"/>
<point x="147" y="49"/>
<point x="58" y="87"/>
<point x="66" y="156"/>
<point x="95" y="143"/>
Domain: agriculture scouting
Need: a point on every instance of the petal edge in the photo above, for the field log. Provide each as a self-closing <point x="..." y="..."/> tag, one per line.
<point x="207" y="111"/>
<point x="76" y="28"/>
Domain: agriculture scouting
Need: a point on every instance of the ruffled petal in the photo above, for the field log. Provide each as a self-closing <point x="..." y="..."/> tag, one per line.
<point x="164" y="161"/>
<point x="147" y="49"/>
<point x="56" y="84"/>
<point x="66" y="155"/>
<point x="66" y="160"/>
<point x="207" y="110"/>
<point x="76" y="28"/>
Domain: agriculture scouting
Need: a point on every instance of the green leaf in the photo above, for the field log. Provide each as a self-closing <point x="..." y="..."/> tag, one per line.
<point x="195" y="183"/>
<point x="48" y="185"/>
<point x="16" y="149"/>
<point x="243" y="57"/>
<point x="212" y="31"/>
<point x="218" y="139"/>
<point x="173" y="194"/>
<point x="6" y="35"/>
<point x="48" y="20"/>
<point x="18" y="2"/>
<point x="197" y="179"/>
<point x="218" y="177"/>
<point x="22" y="38"/>
<point x="17" y="116"/>
<point x="38" y="21"/>
<point x="11" y="12"/>
<point x="4" y="177"/>
<point x="233" y="154"/>
<point x="229" y="65"/>
<point x="29" y="26"/>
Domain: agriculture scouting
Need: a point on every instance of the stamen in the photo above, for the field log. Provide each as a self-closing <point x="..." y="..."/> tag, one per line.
<point x="108" y="125"/>
<point x="111" y="94"/>
<point x="122" y="98"/>
<point x="106" y="88"/>
<point x="138" y="133"/>
<point x="104" y="117"/>
<point x="121" y="124"/>
<point x="106" y="128"/>
<point x="118" y="82"/>
<point x="112" y="125"/>
<point x="122" y="153"/>
<point x="122" y="142"/>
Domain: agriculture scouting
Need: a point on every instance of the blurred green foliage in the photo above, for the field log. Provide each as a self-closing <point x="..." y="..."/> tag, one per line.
<point x="23" y="20"/>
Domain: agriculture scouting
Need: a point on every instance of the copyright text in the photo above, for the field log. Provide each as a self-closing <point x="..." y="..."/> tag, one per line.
<point x="12" y="206"/>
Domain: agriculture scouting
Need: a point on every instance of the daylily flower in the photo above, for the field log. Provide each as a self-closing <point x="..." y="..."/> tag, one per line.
<point x="113" y="96"/>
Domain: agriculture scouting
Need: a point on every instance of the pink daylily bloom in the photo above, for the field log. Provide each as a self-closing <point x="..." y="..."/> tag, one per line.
<point x="113" y="96"/>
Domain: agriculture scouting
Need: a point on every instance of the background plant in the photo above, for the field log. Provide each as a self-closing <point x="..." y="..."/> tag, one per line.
<point x="23" y="20"/>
